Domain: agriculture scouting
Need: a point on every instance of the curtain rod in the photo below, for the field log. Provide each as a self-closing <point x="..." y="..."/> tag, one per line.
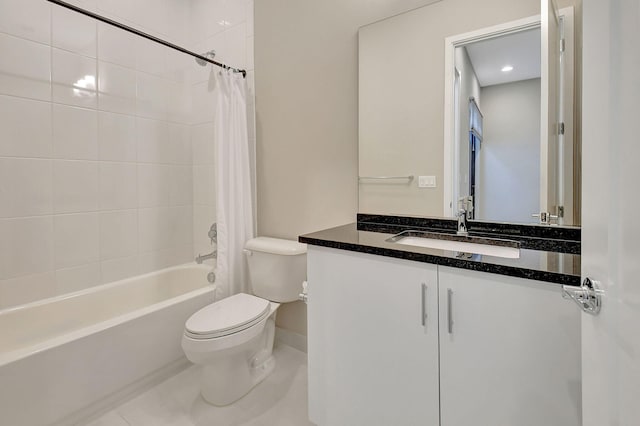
<point x="144" y="35"/>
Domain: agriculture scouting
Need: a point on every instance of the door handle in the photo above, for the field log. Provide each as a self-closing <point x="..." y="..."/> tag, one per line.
<point x="545" y="218"/>
<point x="588" y="296"/>
<point x="424" y="304"/>
<point x="450" y="310"/>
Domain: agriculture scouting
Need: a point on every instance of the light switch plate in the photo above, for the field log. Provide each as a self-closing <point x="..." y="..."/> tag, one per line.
<point x="426" y="181"/>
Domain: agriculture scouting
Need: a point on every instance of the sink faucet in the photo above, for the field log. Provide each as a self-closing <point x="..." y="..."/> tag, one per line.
<point x="465" y="207"/>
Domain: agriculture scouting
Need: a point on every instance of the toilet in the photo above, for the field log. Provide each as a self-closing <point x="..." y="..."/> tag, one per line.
<point x="232" y="339"/>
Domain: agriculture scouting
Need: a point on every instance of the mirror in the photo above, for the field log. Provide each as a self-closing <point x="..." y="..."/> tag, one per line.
<point x="456" y="101"/>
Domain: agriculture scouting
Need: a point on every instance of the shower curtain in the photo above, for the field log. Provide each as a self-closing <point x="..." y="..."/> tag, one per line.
<point x="234" y="209"/>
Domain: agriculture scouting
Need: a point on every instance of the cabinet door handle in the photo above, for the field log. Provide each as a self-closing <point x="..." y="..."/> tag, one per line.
<point x="424" y="304"/>
<point x="450" y="310"/>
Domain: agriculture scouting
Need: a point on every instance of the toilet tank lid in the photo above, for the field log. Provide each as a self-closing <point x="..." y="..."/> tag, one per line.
<point x="276" y="246"/>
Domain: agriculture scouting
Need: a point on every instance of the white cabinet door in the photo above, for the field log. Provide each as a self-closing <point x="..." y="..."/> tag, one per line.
<point x="371" y="361"/>
<point x="511" y="356"/>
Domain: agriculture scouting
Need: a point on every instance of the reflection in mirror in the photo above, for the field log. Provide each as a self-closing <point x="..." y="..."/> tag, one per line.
<point x="497" y="126"/>
<point x="508" y="94"/>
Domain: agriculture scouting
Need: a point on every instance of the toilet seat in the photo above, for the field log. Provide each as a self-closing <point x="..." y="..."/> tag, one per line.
<point x="227" y="316"/>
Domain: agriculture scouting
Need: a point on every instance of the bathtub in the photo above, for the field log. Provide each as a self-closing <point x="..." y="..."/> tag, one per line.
<point x="64" y="357"/>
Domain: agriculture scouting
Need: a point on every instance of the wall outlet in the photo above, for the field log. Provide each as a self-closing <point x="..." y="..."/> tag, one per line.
<point x="426" y="181"/>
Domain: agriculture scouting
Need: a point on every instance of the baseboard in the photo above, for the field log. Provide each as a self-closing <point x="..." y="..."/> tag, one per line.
<point x="290" y="338"/>
<point x="99" y="408"/>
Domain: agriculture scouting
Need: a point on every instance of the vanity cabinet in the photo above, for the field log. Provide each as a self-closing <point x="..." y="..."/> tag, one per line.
<point x="493" y="350"/>
<point x="511" y="355"/>
<point x="371" y="361"/>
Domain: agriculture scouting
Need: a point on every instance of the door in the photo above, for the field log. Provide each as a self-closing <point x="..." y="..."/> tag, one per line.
<point x="611" y="230"/>
<point x="550" y="105"/>
<point x="509" y="352"/>
<point x="475" y="144"/>
<point x="371" y="360"/>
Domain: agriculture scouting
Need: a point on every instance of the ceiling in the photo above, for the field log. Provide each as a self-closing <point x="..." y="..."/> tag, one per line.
<point x="521" y="50"/>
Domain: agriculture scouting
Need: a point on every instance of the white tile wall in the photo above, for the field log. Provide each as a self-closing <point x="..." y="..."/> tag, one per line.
<point x="117" y="269"/>
<point x="152" y="96"/>
<point x="74" y="32"/>
<point x="27" y="288"/>
<point x="179" y="141"/>
<point x="77" y="278"/>
<point x="117" y="137"/>
<point x="150" y="57"/>
<point x="110" y="46"/>
<point x="203" y="150"/>
<point x="106" y="154"/>
<point x="78" y="141"/>
<point x="76" y="239"/>
<point x="75" y="186"/>
<point x="31" y="21"/>
<point x="26" y="127"/>
<point x="118" y="231"/>
<point x="153" y="185"/>
<point x="25" y="187"/>
<point x="26" y="246"/>
<point x="153" y="141"/>
<point x="118" y="186"/>
<point x="25" y="69"/>
<point x="117" y="88"/>
<point x="74" y="79"/>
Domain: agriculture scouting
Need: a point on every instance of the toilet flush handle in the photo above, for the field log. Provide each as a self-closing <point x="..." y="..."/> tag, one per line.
<point x="247" y="252"/>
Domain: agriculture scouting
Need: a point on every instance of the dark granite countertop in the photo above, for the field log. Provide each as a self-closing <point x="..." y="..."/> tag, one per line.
<point x="556" y="260"/>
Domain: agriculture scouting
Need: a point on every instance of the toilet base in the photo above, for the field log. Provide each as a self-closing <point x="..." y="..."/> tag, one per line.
<point x="232" y="377"/>
<point x="214" y="395"/>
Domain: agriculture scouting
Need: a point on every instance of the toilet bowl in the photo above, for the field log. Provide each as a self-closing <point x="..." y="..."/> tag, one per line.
<point x="232" y="339"/>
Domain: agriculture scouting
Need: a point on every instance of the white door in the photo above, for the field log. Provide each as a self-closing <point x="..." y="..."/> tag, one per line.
<point x="509" y="352"/>
<point x="372" y="362"/>
<point x="550" y="105"/>
<point x="611" y="202"/>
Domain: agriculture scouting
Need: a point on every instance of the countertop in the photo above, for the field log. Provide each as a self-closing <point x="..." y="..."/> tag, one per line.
<point x="560" y="265"/>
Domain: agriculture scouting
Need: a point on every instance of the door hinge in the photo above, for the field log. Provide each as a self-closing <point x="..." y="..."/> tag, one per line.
<point x="560" y="211"/>
<point x="561" y="45"/>
<point x="561" y="128"/>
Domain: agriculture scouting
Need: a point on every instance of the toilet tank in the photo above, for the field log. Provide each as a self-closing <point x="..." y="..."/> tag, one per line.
<point x="277" y="268"/>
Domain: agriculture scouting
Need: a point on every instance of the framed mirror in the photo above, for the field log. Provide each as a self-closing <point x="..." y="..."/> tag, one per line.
<point x="486" y="113"/>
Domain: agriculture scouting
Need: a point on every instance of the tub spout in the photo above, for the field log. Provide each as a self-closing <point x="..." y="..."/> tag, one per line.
<point x="202" y="257"/>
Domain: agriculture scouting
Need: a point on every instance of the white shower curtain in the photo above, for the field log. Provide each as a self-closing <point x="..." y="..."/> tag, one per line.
<point x="234" y="209"/>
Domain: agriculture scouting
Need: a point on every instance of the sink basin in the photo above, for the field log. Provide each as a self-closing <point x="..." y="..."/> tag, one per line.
<point x="489" y="247"/>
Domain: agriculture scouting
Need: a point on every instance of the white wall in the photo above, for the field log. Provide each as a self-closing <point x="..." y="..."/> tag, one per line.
<point x="307" y="116"/>
<point x="97" y="183"/>
<point x="509" y="179"/>
<point x="393" y="137"/>
<point x="307" y="103"/>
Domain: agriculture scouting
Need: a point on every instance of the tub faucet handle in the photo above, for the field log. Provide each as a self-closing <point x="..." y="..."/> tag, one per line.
<point x="213" y="233"/>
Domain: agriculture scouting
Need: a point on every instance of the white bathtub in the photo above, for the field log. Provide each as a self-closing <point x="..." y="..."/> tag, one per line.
<point x="63" y="356"/>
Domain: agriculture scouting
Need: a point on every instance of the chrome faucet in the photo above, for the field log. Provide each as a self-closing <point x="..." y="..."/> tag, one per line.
<point x="213" y="233"/>
<point x="465" y="207"/>
<point x="213" y="236"/>
<point x="202" y="257"/>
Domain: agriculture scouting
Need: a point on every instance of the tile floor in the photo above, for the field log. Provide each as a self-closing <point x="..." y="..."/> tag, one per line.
<point x="280" y="400"/>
